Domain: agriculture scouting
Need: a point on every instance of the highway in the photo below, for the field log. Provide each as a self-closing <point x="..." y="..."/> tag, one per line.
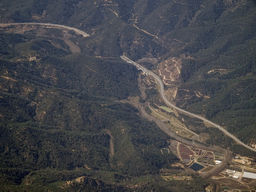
<point x="48" y="24"/>
<point x="148" y="72"/>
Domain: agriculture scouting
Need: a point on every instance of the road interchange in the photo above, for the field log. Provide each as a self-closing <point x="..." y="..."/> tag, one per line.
<point x="148" y="72"/>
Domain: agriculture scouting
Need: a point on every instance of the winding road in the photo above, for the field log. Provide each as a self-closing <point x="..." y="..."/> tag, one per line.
<point x="48" y="24"/>
<point x="148" y="72"/>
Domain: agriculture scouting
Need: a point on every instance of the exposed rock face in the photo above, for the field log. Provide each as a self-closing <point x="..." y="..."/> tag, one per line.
<point x="169" y="70"/>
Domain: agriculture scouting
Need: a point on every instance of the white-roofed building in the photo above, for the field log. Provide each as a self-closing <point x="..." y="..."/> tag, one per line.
<point x="217" y="162"/>
<point x="237" y="175"/>
<point x="249" y="175"/>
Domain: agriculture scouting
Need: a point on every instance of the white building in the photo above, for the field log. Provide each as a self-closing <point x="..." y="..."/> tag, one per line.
<point x="237" y="175"/>
<point x="249" y="175"/>
<point x="217" y="162"/>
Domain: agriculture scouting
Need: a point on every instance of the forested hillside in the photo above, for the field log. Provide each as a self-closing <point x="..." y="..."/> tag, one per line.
<point x="59" y="111"/>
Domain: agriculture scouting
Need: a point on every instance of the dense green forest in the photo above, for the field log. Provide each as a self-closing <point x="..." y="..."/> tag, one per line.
<point x="224" y="70"/>
<point x="56" y="111"/>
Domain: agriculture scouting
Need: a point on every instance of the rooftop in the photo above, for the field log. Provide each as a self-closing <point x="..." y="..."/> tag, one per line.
<point x="249" y="175"/>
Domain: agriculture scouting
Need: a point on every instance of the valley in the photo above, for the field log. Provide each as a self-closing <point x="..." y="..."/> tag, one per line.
<point x="199" y="160"/>
<point x="160" y="96"/>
